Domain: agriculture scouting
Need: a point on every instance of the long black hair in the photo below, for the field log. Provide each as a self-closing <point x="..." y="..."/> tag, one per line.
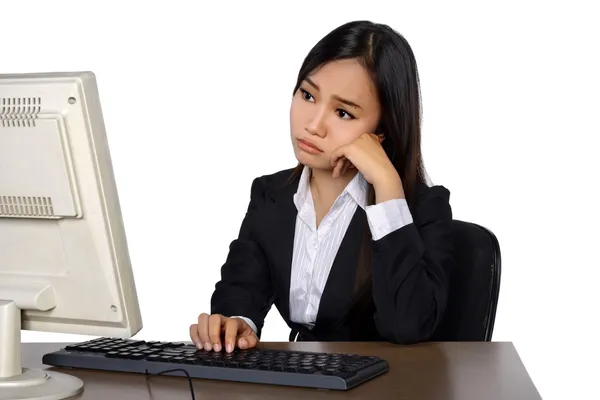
<point x="391" y="64"/>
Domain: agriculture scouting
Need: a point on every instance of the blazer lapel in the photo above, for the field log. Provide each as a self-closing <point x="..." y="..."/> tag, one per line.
<point x="338" y="292"/>
<point x="280" y="228"/>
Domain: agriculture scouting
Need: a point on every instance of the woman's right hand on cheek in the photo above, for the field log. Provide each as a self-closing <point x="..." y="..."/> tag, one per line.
<point x="217" y="332"/>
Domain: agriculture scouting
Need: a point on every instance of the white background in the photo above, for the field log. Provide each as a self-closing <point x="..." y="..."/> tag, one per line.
<point x="196" y="102"/>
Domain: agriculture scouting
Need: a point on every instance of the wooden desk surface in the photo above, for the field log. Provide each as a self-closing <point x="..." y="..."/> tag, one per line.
<point x="461" y="371"/>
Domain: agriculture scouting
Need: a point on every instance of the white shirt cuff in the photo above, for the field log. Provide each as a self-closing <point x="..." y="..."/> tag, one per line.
<point x="248" y="321"/>
<point x="387" y="217"/>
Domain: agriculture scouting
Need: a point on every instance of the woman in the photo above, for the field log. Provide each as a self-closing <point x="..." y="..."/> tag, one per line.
<point x="352" y="244"/>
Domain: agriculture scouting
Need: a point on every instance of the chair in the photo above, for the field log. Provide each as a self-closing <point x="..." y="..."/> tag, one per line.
<point x="474" y="286"/>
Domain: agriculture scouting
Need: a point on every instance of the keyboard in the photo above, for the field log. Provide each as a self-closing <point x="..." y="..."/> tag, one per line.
<point x="317" y="370"/>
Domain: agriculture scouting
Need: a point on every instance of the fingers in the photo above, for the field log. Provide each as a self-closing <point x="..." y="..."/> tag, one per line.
<point x="337" y="170"/>
<point x="215" y="322"/>
<point x="347" y="165"/>
<point x="342" y="166"/>
<point x="248" y="341"/>
<point x="217" y="332"/>
<point x="340" y="161"/>
<point x="337" y="155"/>
<point x="195" y="336"/>
<point x="202" y="328"/>
<point x="231" y="332"/>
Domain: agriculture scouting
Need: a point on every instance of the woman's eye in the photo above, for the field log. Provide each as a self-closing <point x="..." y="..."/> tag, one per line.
<point x="343" y="113"/>
<point x="305" y="95"/>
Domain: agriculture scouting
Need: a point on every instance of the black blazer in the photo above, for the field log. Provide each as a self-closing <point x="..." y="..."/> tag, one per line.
<point x="407" y="294"/>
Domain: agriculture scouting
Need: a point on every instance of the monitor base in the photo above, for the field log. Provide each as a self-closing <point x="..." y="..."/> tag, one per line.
<point x="37" y="384"/>
<point x="16" y="382"/>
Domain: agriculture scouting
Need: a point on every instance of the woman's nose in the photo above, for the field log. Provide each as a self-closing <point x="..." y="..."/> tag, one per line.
<point x="317" y="125"/>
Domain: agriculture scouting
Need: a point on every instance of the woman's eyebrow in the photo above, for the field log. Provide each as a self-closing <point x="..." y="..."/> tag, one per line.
<point x="338" y="98"/>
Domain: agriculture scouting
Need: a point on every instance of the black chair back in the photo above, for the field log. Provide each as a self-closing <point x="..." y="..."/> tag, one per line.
<point x="474" y="286"/>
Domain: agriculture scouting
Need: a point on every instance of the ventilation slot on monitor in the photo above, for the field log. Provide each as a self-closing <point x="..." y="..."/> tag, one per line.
<point x="21" y="206"/>
<point x="19" y="112"/>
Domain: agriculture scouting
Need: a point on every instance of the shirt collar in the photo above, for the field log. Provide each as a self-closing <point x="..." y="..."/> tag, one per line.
<point x="357" y="188"/>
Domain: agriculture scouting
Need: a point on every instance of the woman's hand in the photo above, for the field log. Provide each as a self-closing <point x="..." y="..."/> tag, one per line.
<point x="215" y="332"/>
<point x="368" y="156"/>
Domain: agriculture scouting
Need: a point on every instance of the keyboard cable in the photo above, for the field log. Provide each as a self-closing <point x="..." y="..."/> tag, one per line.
<point x="189" y="378"/>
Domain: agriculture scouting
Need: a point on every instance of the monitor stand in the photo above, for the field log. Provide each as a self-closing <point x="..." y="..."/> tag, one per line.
<point x="17" y="382"/>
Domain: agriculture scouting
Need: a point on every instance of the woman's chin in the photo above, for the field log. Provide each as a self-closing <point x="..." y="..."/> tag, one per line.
<point x="308" y="160"/>
<point x="313" y="161"/>
<point x="305" y="158"/>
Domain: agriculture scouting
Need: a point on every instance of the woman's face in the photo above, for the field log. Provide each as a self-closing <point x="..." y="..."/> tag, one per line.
<point x="332" y="107"/>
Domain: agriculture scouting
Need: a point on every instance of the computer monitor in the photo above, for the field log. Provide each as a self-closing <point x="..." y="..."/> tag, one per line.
<point x="64" y="262"/>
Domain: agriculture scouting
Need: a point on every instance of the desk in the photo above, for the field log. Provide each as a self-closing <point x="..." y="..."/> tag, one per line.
<point x="448" y="371"/>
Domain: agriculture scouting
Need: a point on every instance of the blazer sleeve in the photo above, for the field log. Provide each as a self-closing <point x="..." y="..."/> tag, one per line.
<point x="245" y="286"/>
<point x="410" y="271"/>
